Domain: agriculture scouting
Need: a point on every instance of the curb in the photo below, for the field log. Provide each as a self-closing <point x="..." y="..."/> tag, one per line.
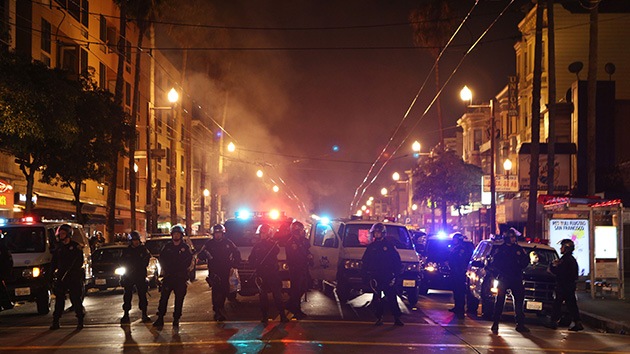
<point x="604" y="324"/>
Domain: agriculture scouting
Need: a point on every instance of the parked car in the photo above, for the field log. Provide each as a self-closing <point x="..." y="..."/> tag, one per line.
<point x="539" y="284"/>
<point x="31" y="241"/>
<point x="434" y="269"/>
<point x="338" y="246"/>
<point x="106" y="263"/>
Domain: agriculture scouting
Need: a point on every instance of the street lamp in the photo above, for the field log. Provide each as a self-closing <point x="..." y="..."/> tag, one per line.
<point x="151" y="197"/>
<point x="507" y="166"/>
<point x="396" y="176"/>
<point x="259" y="173"/>
<point x="202" y="221"/>
<point x="466" y="95"/>
<point x="231" y="147"/>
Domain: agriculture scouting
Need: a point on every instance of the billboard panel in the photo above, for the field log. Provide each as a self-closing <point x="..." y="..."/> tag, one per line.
<point x="576" y="230"/>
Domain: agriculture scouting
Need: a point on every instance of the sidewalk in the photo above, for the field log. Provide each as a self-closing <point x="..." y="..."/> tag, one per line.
<point x="606" y="314"/>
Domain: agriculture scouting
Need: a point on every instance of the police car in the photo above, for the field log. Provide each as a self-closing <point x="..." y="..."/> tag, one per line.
<point x="107" y="268"/>
<point x="539" y="284"/>
<point x="31" y="241"/>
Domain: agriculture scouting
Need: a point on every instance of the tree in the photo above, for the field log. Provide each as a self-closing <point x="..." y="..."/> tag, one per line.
<point x="37" y="114"/>
<point x="444" y="179"/>
<point x="433" y="24"/>
<point x="86" y="156"/>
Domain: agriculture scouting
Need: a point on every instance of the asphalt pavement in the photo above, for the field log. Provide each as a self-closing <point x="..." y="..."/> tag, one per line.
<point x="604" y="312"/>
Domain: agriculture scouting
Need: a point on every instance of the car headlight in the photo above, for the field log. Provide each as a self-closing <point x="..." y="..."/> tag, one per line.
<point x="31" y="272"/>
<point x="495" y="286"/>
<point x="431" y="267"/>
<point x="120" y="271"/>
<point x="410" y="267"/>
<point x="352" y="264"/>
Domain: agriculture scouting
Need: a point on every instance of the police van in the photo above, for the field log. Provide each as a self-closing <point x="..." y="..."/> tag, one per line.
<point x="31" y="241"/>
<point x="338" y="246"/>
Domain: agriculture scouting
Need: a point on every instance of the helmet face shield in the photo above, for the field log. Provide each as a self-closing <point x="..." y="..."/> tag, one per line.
<point x="378" y="231"/>
<point x="264" y="231"/>
<point x="218" y="230"/>
<point x="297" y="229"/>
<point x="177" y="232"/>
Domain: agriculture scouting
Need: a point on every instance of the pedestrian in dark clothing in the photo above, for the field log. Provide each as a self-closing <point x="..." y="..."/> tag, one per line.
<point x="566" y="271"/>
<point x="264" y="259"/>
<point x="299" y="258"/>
<point x="67" y="268"/>
<point x="135" y="259"/>
<point x="458" y="259"/>
<point x="508" y="262"/>
<point x="6" y="267"/>
<point x="381" y="265"/>
<point x="223" y="255"/>
<point x="176" y="260"/>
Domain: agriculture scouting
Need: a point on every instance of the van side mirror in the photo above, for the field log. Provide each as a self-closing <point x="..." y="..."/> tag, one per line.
<point x="477" y="263"/>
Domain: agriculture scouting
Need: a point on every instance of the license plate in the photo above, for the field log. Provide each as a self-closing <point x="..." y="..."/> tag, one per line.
<point x="534" y="305"/>
<point x="100" y="281"/>
<point x="22" y="291"/>
<point x="409" y="283"/>
<point x="286" y="284"/>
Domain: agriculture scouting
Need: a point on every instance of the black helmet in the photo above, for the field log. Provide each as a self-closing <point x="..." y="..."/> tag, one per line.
<point x="65" y="227"/>
<point x="512" y="232"/>
<point x="178" y="228"/>
<point x="568" y="243"/>
<point x="379" y="226"/>
<point x="458" y="236"/>
<point x="218" y="228"/>
<point x="264" y="230"/>
<point x="134" y="235"/>
<point x="297" y="227"/>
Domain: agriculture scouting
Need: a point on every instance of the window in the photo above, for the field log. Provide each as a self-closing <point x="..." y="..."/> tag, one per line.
<point x="127" y="94"/>
<point x="102" y="32"/>
<point x="102" y="76"/>
<point x="181" y="164"/>
<point x="324" y="236"/>
<point x="78" y="9"/>
<point x="126" y="179"/>
<point x="83" y="187"/>
<point x="476" y="139"/>
<point x="168" y="190"/>
<point x="46" y="36"/>
<point x="181" y="194"/>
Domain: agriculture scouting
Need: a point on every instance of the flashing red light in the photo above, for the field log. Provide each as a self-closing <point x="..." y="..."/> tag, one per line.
<point x="28" y="219"/>
<point x="274" y="214"/>
<point x="537" y="240"/>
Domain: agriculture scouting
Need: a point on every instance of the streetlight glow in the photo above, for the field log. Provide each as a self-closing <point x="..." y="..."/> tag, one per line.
<point x="383" y="191"/>
<point x="173" y="96"/>
<point x="259" y="173"/>
<point x="231" y="147"/>
<point x="275" y="189"/>
<point x="416" y="146"/>
<point x="466" y="94"/>
<point x="368" y="203"/>
<point x="507" y="165"/>
<point x="396" y="176"/>
<point x="206" y="192"/>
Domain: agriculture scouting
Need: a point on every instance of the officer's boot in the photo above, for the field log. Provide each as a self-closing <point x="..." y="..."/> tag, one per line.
<point x="125" y="318"/>
<point x="145" y="317"/>
<point x="264" y="319"/>
<point x="176" y="323"/>
<point x="55" y="323"/>
<point x="159" y="322"/>
<point x="495" y="328"/>
<point x="80" y="323"/>
<point x="283" y="317"/>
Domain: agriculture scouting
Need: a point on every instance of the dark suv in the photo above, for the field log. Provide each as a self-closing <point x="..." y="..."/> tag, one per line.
<point x="434" y="269"/>
<point x="539" y="284"/>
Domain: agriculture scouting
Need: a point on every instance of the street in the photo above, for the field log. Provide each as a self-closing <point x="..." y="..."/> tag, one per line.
<point x="329" y="328"/>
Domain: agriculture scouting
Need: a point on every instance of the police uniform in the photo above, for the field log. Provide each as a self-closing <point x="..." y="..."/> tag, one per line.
<point x="458" y="262"/>
<point x="298" y="258"/>
<point x="381" y="264"/>
<point x="222" y="256"/>
<point x="508" y="262"/>
<point x="175" y="261"/>
<point x="264" y="259"/>
<point x="566" y="271"/>
<point x="135" y="260"/>
<point x="67" y="267"/>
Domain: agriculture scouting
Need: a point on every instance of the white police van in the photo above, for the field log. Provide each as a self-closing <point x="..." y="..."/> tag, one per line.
<point x="338" y="246"/>
<point x="31" y="241"/>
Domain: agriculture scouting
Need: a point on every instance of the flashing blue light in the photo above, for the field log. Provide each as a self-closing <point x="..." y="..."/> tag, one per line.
<point x="324" y="220"/>
<point x="416" y="155"/>
<point x="243" y="214"/>
<point x="335" y="148"/>
<point x="3" y="221"/>
<point x="219" y="134"/>
<point x="442" y="234"/>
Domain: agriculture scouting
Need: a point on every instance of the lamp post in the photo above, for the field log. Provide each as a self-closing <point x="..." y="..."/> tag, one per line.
<point x="466" y="95"/>
<point x="202" y="222"/>
<point x="507" y="166"/>
<point x="151" y="197"/>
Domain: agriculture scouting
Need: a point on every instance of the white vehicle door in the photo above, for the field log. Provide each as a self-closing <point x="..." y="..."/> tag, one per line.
<point x="325" y="249"/>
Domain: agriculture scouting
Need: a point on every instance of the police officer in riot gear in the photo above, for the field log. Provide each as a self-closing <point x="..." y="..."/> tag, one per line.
<point x="298" y="259"/>
<point x="458" y="259"/>
<point x="381" y="265"/>
<point x="175" y="259"/>
<point x="223" y="255"/>
<point x="566" y="271"/>
<point x="508" y="262"/>
<point x="264" y="259"/>
<point x="67" y="268"/>
<point x="135" y="259"/>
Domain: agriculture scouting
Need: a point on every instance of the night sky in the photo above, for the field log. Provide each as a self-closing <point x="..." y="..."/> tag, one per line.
<point x="313" y="82"/>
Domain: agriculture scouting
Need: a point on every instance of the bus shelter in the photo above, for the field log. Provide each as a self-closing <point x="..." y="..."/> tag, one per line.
<point x="596" y="228"/>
